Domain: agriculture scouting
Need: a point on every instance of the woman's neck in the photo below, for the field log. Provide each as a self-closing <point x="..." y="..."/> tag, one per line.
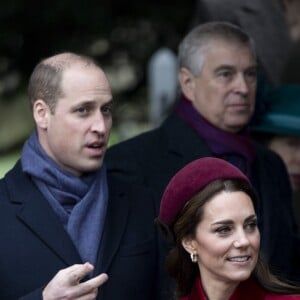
<point x="218" y="290"/>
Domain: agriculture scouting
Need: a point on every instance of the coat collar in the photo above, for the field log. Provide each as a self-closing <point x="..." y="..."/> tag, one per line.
<point x="184" y="140"/>
<point x="34" y="212"/>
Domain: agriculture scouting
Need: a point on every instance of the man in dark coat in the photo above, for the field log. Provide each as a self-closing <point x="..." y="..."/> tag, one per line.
<point x="218" y="83"/>
<point x="68" y="230"/>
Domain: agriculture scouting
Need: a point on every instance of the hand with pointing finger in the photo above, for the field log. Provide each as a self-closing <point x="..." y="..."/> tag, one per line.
<point x="66" y="284"/>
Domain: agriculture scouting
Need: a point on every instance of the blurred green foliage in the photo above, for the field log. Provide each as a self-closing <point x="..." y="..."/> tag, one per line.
<point x="7" y="161"/>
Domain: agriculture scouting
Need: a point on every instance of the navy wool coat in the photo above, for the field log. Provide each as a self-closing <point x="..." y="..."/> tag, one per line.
<point x="35" y="246"/>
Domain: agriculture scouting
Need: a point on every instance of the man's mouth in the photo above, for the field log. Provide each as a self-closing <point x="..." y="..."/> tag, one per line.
<point x="95" y="145"/>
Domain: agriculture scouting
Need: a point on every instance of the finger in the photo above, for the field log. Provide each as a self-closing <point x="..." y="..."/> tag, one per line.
<point x="89" y="287"/>
<point x="98" y="280"/>
<point x="93" y="283"/>
<point x="77" y="272"/>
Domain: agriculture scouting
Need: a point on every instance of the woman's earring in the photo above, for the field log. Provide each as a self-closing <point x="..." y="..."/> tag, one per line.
<point x="194" y="257"/>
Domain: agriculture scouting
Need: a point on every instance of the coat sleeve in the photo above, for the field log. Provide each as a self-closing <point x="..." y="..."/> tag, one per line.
<point x="35" y="295"/>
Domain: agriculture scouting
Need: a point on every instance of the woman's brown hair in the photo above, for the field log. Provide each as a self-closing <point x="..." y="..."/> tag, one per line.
<point x="178" y="262"/>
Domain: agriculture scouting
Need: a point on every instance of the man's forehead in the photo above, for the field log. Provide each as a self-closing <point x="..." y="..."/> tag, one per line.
<point x="223" y="44"/>
<point x="224" y="53"/>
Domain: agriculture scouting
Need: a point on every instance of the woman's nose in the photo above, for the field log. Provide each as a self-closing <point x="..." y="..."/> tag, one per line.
<point x="241" y="240"/>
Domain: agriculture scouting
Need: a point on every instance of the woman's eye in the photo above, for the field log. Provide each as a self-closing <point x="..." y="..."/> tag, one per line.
<point x="251" y="226"/>
<point x="223" y="230"/>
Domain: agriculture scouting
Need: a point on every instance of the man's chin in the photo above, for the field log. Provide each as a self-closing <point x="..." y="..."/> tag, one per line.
<point x="91" y="166"/>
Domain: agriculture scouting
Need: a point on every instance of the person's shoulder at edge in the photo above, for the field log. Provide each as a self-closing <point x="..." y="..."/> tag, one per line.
<point x="123" y="156"/>
<point x="142" y="138"/>
<point x="268" y="155"/>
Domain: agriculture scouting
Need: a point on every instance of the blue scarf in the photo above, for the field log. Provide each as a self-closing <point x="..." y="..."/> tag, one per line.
<point x="79" y="202"/>
<point x="238" y="149"/>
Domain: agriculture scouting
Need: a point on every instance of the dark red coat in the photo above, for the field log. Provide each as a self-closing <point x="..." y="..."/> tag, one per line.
<point x="247" y="290"/>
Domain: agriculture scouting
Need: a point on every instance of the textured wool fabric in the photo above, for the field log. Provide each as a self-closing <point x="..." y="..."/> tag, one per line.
<point x="79" y="202"/>
<point x="190" y="180"/>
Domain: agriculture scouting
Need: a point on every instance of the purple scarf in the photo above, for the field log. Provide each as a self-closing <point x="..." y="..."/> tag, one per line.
<point x="235" y="148"/>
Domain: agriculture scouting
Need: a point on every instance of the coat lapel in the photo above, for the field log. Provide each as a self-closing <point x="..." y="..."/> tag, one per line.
<point x="35" y="212"/>
<point x="115" y="224"/>
<point x="184" y="141"/>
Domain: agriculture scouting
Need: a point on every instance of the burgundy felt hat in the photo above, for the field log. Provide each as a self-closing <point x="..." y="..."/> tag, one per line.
<point x="190" y="180"/>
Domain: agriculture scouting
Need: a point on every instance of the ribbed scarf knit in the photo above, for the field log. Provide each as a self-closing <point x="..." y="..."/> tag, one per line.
<point x="235" y="148"/>
<point x="79" y="202"/>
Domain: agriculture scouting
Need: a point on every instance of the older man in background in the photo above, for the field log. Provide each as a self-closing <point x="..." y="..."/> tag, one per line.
<point x="217" y="75"/>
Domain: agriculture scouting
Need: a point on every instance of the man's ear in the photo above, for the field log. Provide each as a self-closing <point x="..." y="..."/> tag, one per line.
<point x="41" y="113"/>
<point x="187" y="83"/>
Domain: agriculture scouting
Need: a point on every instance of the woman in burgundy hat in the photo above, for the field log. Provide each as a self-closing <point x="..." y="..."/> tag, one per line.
<point x="208" y="209"/>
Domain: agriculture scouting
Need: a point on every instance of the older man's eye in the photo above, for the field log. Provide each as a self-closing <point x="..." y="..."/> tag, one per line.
<point x="251" y="75"/>
<point x="225" y="74"/>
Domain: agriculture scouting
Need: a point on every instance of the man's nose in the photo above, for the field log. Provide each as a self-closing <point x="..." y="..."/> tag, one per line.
<point x="98" y="123"/>
<point x="241" y="84"/>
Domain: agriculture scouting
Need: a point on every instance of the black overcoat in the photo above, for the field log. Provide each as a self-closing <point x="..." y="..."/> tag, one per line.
<point x="35" y="246"/>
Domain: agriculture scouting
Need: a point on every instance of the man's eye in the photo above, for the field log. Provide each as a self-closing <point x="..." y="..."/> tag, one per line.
<point x="225" y="74"/>
<point x="83" y="110"/>
<point x="251" y="75"/>
<point x="107" y="110"/>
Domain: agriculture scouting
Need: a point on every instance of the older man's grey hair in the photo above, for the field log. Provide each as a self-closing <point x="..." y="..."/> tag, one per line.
<point x="191" y="51"/>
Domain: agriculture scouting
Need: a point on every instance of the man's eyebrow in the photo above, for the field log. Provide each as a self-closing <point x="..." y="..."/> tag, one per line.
<point x="231" y="67"/>
<point x="108" y="103"/>
<point x="224" y="67"/>
<point x="92" y="101"/>
<point x="253" y="67"/>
